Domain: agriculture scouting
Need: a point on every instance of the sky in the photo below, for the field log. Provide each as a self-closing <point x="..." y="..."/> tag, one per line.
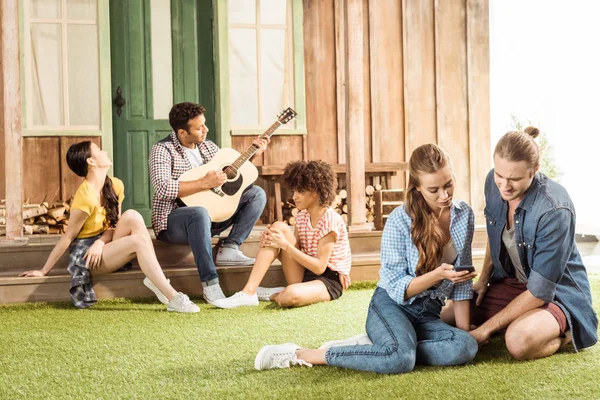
<point x="545" y="67"/>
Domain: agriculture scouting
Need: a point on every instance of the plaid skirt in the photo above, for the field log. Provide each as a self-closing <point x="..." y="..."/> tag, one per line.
<point x="82" y="293"/>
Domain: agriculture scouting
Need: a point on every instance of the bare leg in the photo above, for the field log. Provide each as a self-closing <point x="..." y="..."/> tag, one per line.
<point x="315" y="357"/>
<point x="130" y="240"/>
<point x="292" y="271"/>
<point x="302" y="294"/>
<point x="535" y="334"/>
<point x="447" y="314"/>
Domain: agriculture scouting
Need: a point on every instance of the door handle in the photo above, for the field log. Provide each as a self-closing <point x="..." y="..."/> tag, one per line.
<point x="120" y="101"/>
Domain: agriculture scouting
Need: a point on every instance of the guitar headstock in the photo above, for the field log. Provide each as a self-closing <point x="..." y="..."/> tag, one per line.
<point x="286" y="115"/>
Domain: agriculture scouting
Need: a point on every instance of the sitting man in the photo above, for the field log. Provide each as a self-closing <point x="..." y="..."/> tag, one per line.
<point x="186" y="148"/>
<point x="533" y="281"/>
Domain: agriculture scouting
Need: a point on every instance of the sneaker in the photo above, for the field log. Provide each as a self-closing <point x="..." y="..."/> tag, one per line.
<point x="212" y="293"/>
<point x="231" y="256"/>
<point x="358" y="340"/>
<point x="265" y="293"/>
<point x="237" y="300"/>
<point x="278" y="356"/>
<point x="161" y="297"/>
<point x="182" y="303"/>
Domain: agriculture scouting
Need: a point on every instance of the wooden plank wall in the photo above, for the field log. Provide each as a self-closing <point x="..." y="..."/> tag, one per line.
<point x="47" y="176"/>
<point x="426" y="74"/>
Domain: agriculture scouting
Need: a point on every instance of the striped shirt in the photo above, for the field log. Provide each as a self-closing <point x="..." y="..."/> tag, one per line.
<point x="167" y="162"/>
<point x="399" y="255"/>
<point x="340" y="259"/>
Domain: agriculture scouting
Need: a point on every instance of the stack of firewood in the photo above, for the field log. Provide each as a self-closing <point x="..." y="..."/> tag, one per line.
<point x="44" y="218"/>
<point x="340" y="205"/>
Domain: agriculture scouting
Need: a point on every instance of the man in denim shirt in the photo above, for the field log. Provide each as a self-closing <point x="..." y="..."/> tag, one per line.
<point x="533" y="282"/>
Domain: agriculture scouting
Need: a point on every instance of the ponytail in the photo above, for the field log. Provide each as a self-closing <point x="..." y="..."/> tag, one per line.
<point x="110" y="202"/>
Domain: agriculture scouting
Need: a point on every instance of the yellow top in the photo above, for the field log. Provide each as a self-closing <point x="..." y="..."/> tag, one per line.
<point x="86" y="199"/>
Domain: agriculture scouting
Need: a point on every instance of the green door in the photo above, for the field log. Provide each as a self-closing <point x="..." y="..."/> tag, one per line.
<point x="137" y="125"/>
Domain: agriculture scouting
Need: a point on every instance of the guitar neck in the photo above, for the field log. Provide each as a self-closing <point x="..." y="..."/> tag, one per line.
<point x="250" y="151"/>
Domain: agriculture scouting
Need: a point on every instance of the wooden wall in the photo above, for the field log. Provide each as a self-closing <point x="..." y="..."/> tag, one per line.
<point x="46" y="175"/>
<point x="426" y="80"/>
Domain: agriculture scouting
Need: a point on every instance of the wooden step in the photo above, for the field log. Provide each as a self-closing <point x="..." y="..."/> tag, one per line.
<point x="129" y="284"/>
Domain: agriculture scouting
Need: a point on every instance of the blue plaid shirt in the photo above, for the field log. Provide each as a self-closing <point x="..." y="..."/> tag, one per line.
<point x="399" y="256"/>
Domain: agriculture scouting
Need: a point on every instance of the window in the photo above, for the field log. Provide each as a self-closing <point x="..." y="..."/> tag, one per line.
<point x="62" y="74"/>
<point x="261" y="59"/>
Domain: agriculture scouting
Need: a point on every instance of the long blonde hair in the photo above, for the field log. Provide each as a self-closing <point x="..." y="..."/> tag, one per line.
<point x="519" y="146"/>
<point x="426" y="233"/>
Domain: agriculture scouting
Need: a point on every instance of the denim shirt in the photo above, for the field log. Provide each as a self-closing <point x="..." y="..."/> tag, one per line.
<point x="399" y="255"/>
<point x="544" y="224"/>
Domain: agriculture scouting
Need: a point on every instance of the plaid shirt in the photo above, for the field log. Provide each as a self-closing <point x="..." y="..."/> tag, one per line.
<point x="167" y="163"/>
<point x="399" y="256"/>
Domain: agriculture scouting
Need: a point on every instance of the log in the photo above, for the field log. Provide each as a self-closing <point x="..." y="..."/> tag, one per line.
<point x="2" y="220"/>
<point x="338" y="200"/>
<point x="369" y="190"/>
<point x="370" y="218"/>
<point x="30" y="212"/>
<point x="28" y="229"/>
<point x="51" y="221"/>
<point x="294" y="211"/>
<point x="292" y="221"/>
<point x="57" y="212"/>
<point x="345" y="218"/>
<point x="29" y="221"/>
<point x="56" y="229"/>
<point x="343" y="194"/>
<point x="378" y="187"/>
<point x="345" y="208"/>
<point x="40" y="229"/>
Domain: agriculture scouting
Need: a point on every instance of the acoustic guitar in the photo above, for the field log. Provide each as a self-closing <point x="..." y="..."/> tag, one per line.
<point x="222" y="201"/>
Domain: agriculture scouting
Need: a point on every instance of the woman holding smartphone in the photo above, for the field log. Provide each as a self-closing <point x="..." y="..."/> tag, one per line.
<point x="422" y="241"/>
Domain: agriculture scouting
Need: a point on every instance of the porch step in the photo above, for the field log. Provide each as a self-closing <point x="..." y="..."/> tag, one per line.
<point x="129" y="284"/>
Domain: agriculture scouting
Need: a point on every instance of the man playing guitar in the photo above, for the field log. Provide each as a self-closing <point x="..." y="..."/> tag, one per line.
<point x="186" y="148"/>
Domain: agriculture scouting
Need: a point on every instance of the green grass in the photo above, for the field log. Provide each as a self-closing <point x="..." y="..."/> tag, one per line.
<point x="135" y="349"/>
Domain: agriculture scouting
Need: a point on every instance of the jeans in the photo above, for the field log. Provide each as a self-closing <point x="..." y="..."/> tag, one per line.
<point x="404" y="335"/>
<point x="192" y="225"/>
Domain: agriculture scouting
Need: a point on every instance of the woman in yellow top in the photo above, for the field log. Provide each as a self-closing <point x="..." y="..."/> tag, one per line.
<point x="100" y="239"/>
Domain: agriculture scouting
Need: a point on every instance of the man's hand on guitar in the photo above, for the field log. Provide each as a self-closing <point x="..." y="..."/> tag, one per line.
<point x="214" y="179"/>
<point x="262" y="144"/>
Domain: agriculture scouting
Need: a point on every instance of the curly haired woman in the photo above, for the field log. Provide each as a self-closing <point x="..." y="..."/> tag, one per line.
<point x="315" y="257"/>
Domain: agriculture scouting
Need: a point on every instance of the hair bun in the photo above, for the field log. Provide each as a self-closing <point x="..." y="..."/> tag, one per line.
<point x="532" y="131"/>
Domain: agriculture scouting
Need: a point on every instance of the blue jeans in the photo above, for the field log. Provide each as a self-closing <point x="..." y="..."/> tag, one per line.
<point x="404" y="335"/>
<point x="192" y="225"/>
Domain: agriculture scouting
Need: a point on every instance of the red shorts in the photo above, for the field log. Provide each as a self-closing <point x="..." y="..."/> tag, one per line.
<point x="500" y="294"/>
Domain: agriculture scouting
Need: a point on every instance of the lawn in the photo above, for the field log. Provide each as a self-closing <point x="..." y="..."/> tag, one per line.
<point x="135" y="349"/>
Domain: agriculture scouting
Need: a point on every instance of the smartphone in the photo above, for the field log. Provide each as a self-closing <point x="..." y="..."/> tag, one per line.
<point x="459" y="268"/>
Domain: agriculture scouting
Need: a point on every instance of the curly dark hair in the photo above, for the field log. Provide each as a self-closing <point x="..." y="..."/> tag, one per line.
<point x="181" y="113"/>
<point x="315" y="176"/>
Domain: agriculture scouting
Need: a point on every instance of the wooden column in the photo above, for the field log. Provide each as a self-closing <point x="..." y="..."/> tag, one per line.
<point x="355" y="109"/>
<point x="10" y="119"/>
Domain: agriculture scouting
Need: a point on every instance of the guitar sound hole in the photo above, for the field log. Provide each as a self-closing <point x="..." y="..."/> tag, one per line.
<point x="230" y="172"/>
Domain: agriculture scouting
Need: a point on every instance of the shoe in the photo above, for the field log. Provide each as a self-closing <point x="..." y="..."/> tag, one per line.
<point x="161" y="297"/>
<point x="231" y="256"/>
<point x="278" y="356"/>
<point x="237" y="300"/>
<point x="182" y="303"/>
<point x="265" y="293"/>
<point x="362" y="339"/>
<point x="212" y="293"/>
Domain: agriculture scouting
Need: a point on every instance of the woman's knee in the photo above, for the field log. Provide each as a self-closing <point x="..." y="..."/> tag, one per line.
<point x="397" y="361"/>
<point x="466" y="348"/>
<point x="282" y="226"/>
<point x="139" y="242"/>
<point x="133" y="217"/>
<point x="290" y="297"/>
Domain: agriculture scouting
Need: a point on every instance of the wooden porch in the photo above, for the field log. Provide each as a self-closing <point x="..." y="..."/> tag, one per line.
<point x="178" y="264"/>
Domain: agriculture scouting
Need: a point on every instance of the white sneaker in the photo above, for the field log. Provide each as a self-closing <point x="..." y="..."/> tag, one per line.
<point x="231" y="256"/>
<point x="182" y="303"/>
<point x="237" y="300"/>
<point x="278" y="356"/>
<point x="212" y="293"/>
<point x="362" y="339"/>
<point x="161" y="297"/>
<point x="265" y="293"/>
